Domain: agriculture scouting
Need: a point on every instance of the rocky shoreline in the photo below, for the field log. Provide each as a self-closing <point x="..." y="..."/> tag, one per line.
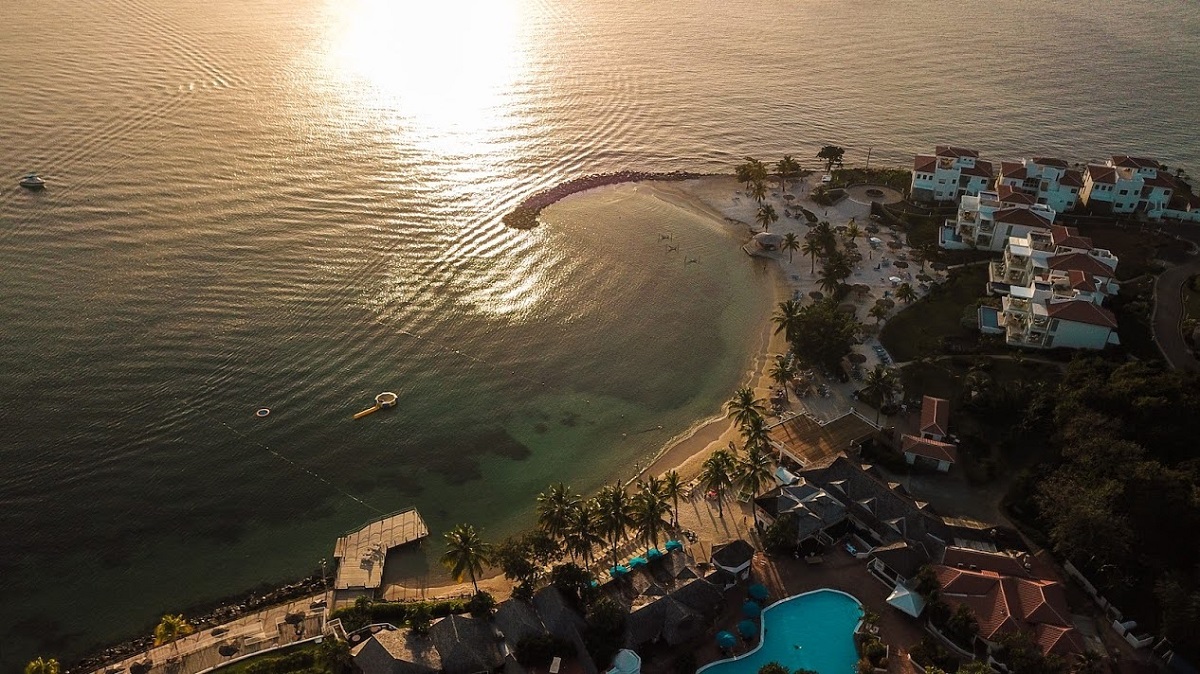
<point x="525" y="215"/>
<point x="205" y="616"/>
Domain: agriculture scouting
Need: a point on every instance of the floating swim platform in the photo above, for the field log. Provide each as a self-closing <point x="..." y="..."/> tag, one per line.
<point x="382" y="401"/>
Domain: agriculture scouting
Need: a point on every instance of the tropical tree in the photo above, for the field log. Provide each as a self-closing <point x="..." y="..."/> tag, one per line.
<point x="584" y="531"/>
<point x="555" y="508"/>
<point x="832" y="154"/>
<point x="466" y="554"/>
<point x="754" y="433"/>
<point x="823" y="334"/>
<point x="838" y="265"/>
<point x="651" y="516"/>
<point x="905" y="293"/>
<point x="616" y="515"/>
<point x="41" y="666"/>
<point x="652" y="483"/>
<point x="787" y="168"/>
<point x="744" y="406"/>
<point x="823" y="232"/>
<point x="758" y="190"/>
<point x="673" y="488"/>
<point x="812" y="248"/>
<point x="785" y="317"/>
<point x="781" y="373"/>
<point x="829" y="281"/>
<point x="717" y="476"/>
<point x="751" y="172"/>
<point x="852" y="231"/>
<point x="878" y="312"/>
<point x="170" y="628"/>
<point x="880" y="384"/>
<point x="754" y="472"/>
<point x="766" y="215"/>
<point x="791" y="243"/>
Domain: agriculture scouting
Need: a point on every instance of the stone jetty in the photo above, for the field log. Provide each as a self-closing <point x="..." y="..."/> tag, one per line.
<point x="525" y="215"/>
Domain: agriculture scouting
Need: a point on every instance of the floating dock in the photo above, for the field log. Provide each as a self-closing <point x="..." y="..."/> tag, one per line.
<point x="361" y="553"/>
<point x="382" y="401"/>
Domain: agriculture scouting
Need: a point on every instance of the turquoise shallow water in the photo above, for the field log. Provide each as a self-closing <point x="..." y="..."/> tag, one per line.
<point x="813" y="631"/>
<point x="296" y="204"/>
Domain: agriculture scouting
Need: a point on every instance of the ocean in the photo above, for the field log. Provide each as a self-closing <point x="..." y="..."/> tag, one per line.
<point x="295" y="204"/>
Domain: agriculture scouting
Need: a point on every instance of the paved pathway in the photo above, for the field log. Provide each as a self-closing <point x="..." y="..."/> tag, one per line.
<point x="1168" y="315"/>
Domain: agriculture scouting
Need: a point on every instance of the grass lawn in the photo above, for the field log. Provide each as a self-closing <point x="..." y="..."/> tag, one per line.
<point x="917" y="331"/>
<point x="1191" y="298"/>
<point x="1134" y="248"/>
<point x="240" y="666"/>
<point x="897" y="179"/>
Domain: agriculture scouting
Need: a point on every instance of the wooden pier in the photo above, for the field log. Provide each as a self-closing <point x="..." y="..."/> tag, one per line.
<point x="361" y="553"/>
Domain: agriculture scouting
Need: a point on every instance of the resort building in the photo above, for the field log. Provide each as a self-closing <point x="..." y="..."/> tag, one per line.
<point x="1006" y="594"/>
<point x="949" y="174"/>
<point x="930" y="447"/>
<point x="1052" y="287"/>
<point x="986" y="221"/>
<point x="1126" y="184"/>
<point x="1044" y="180"/>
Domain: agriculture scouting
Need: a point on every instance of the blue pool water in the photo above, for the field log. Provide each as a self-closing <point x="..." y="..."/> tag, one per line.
<point x="814" y="630"/>
<point x="989" y="317"/>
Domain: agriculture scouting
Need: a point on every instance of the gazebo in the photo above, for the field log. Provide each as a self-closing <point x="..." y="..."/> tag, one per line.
<point x="906" y="600"/>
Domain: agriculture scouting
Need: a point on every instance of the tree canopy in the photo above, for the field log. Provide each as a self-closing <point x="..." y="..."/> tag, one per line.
<point x="822" y="334"/>
<point x="832" y="154"/>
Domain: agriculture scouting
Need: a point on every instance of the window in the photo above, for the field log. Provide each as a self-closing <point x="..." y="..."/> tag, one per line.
<point x="1123" y="192"/>
<point x="1054" y="325"/>
<point x="1074" y="190"/>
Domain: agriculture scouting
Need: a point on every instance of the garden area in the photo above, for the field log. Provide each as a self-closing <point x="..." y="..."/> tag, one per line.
<point x="331" y="656"/>
<point x="922" y="329"/>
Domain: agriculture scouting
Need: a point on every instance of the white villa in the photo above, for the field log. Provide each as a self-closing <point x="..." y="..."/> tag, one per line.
<point x="949" y="173"/>
<point x="1126" y="184"/>
<point x="1052" y="287"/>
<point x="1046" y="180"/>
<point x="988" y="220"/>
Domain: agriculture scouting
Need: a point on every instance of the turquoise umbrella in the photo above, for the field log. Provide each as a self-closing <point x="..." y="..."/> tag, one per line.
<point x="618" y="570"/>
<point x="654" y="553"/>
<point x="748" y="629"/>
<point x="726" y="640"/>
<point x="751" y="609"/>
<point x="637" y="561"/>
<point x="757" y="591"/>
<point x="673" y="545"/>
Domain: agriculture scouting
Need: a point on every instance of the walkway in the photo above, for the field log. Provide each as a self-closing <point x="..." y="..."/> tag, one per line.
<point x="1168" y="315"/>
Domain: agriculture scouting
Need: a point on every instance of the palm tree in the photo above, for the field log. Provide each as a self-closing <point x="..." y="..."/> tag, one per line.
<point x="170" y="629"/>
<point x="652" y="483"/>
<point x="584" y="530"/>
<point x="766" y="215"/>
<point x="615" y="515"/>
<point x="852" y="231"/>
<point x="791" y="243"/>
<point x="758" y="190"/>
<point x="905" y="293"/>
<point x="878" y="312"/>
<point x="672" y="488"/>
<point x="716" y="476"/>
<point x="554" y="509"/>
<point x="781" y="373"/>
<point x="651" y="516"/>
<point x="41" y="666"/>
<point x="755" y="434"/>
<point x="787" y="169"/>
<point x="744" y="406"/>
<point x="466" y="554"/>
<point x="786" y="318"/>
<point x="822" y="231"/>
<point x="880" y="383"/>
<point x="812" y="248"/>
<point x="829" y="281"/>
<point x="839" y="265"/>
<point x="754" y="472"/>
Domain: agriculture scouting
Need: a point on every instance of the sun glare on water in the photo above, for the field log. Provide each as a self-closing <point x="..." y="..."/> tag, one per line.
<point x="442" y="68"/>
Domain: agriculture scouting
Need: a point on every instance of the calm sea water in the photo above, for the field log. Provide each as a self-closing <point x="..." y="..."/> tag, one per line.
<point x="295" y="204"/>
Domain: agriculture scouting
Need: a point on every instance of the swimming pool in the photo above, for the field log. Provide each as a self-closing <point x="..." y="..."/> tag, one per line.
<point x="814" y="630"/>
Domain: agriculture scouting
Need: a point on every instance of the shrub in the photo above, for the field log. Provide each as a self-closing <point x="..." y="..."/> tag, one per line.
<point x="773" y="668"/>
<point x="292" y="662"/>
<point x="781" y="535"/>
<point x="481" y="605"/>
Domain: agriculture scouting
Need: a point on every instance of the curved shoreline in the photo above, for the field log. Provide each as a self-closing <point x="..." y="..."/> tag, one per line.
<point x="525" y="214"/>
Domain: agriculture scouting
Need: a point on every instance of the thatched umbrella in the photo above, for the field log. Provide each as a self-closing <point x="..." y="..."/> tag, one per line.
<point x="857" y="358"/>
<point x="789" y="197"/>
<point x="227" y="650"/>
<point x="924" y="278"/>
<point x="861" y="288"/>
<point x="886" y="303"/>
<point x="847" y="308"/>
<point x="873" y="229"/>
<point x="142" y="667"/>
<point x="895" y="245"/>
<point x="939" y="266"/>
<point x="901" y="264"/>
<point x="817" y="295"/>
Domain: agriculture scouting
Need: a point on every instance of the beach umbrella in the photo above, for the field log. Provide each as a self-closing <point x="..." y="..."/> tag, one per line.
<point x="895" y="245"/>
<point x="847" y="308"/>
<point x="901" y="264"/>
<point x="940" y="266"/>
<point x="789" y="197"/>
<point x="876" y="239"/>
<point x="653" y="553"/>
<point x="873" y="229"/>
<point x="593" y="583"/>
<point x="924" y="278"/>
<point x="674" y="545"/>
<point x="144" y="666"/>
<point x="748" y="629"/>
<point x="886" y="303"/>
<point x="637" y="561"/>
<point x="817" y="295"/>
<point x="227" y="650"/>
<point x="618" y="570"/>
<point x="751" y="609"/>
<point x="757" y="591"/>
<point x="857" y="358"/>
<point x="726" y="640"/>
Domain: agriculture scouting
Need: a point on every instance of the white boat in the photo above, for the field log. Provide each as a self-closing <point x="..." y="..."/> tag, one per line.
<point x="33" y="181"/>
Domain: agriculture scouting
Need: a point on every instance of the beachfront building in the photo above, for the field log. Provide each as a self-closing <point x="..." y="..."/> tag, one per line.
<point x="930" y="448"/>
<point x="948" y="174"/>
<point x="986" y="221"/>
<point x="1127" y="184"/>
<point x="1053" y="287"/>
<point x="1046" y="180"/>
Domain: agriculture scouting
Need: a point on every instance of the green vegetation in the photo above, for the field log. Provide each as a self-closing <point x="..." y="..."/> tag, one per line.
<point x="538" y="651"/>
<point x="1191" y="298"/>
<point x="331" y="656"/>
<point x="605" y="630"/>
<point x="897" y="179"/>
<point x="819" y="334"/>
<point x="1134" y="307"/>
<point x="366" y="612"/>
<point x="832" y="156"/>
<point x="466" y="554"/>
<point x="41" y="666"/>
<point x="924" y="328"/>
<point x="1123" y="455"/>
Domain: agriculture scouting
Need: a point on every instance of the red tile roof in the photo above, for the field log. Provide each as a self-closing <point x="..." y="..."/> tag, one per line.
<point x="1125" y="161"/>
<point x="941" y="451"/>
<point x="1003" y="604"/>
<point x="1160" y="180"/>
<point x="1082" y="311"/>
<point x="981" y="169"/>
<point x="978" y="560"/>
<point x="1071" y="178"/>
<point x="1069" y="237"/>
<point x="1010" y="195"/>
<point x="1080" y="281"/>
<point x="1021" y="216"/>
<point x="935" y="415"/>
<point x="924" y="163"/>
<point x="951" y="151"/>
<point x="1102" y="174"/>
<point x="1079" y="261"/>
<point x="1012" y="169"/>
<point x="1050" y="161"/>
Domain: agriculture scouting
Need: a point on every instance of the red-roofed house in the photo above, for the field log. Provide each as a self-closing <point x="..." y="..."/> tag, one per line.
<point x="987" y="221"/>
<point x="1045" y="180"/>
<point x="1005" y="595"/>
<point x="930" y="447"/>
<point x="1126" y="184"/>
<point x="948" y="174"/>
<point x="935" y="418"/>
